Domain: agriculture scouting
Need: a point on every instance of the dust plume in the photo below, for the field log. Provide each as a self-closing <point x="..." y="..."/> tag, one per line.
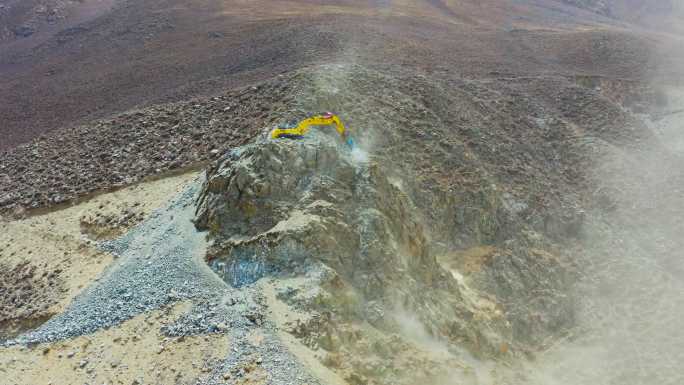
<point x="629" y="324"/>
<point x="470" y="371"/>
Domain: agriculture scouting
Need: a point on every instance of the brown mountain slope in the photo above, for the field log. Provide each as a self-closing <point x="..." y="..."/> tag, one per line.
<point x="139" y="53"/>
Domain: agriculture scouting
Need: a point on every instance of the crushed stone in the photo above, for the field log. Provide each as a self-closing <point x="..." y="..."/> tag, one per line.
<point x="161" y="262"/>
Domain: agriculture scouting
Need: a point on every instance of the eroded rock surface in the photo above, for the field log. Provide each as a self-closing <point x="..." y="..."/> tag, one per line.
<point x="287" y="208"/>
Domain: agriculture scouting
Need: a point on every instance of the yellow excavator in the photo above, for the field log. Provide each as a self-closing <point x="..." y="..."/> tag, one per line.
<point x="298" y="130"/>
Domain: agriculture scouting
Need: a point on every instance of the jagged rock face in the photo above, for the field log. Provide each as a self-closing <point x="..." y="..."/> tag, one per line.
<point x="373" y="228"/>
<point x="294" y="207"/>
<point x="309" y="201"/>
<point x="534" y="285"/>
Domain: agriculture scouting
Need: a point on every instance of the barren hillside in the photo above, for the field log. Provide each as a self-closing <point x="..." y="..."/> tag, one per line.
<point x="97" y="58"/>
<point x="503" y="206"/>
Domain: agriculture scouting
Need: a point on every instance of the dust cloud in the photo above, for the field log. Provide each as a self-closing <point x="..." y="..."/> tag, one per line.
<point x="472" y="372"/>
<point x="632" y="294"/>
<point x="630" y="323"/>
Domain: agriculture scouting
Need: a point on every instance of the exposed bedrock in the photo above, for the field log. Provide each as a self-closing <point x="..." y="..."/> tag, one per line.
<point x="313" y="208"/>
<point x="295" y="207"/>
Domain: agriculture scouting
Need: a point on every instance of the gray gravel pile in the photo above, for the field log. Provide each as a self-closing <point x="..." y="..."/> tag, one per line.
<point x="270" y="355"/>
<point x="161" y="262"/>
<point x="218" y="315"/>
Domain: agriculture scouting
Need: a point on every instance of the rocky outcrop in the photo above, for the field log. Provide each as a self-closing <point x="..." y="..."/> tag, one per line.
<point x="366" y="233"/>
<point x="289" y="208"/>
<point x="534" y="287"/>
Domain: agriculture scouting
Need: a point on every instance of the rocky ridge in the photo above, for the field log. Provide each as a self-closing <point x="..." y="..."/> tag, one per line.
<point x="338" y="217"/>
<point x="314" y="208"/>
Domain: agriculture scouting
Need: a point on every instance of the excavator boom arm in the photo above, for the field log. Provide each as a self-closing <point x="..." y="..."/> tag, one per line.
<point x="303" y="126"/>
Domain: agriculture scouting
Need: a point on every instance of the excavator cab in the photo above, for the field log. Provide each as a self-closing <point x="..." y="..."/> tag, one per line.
<point x="293" y="130"/>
